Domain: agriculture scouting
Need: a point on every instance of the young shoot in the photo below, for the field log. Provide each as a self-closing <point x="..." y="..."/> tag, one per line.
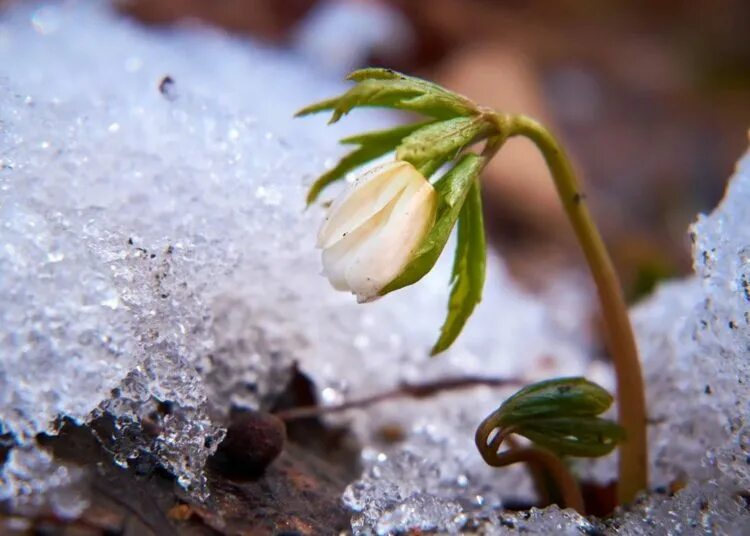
<point x="387" y="230"/>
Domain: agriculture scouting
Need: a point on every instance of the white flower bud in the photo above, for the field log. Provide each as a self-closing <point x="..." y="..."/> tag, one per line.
<point x="373" y="228"/>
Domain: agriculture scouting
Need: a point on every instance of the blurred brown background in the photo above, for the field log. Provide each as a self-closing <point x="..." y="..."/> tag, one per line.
<point x="652" y="100"/>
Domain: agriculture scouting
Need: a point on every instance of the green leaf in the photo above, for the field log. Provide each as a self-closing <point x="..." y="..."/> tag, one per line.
<point x="469" y="269"/>
<point x="561" y="415"/>
<point x="389" y="89"/>
<point x="372" y="145"/>
<point x="389" y="135"/>
<point x="322" y="106"/>
<point x="377" y="73"/>
<point x="452" y="189"/>
<point x="560" y="397"/>
<point x="574" y="436"/>
<point x="441" y="141"/>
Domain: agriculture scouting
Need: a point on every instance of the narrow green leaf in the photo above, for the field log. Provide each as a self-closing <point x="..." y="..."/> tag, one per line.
<point x="469" y="269"/>
<point x="385" y="136"/>
<point x="573" y="436"/>
<point x="384" y="93"/>
<point x="322" y="106"/>
<point x="441" y="141"/>
<point x="452" y="189"/>
<point x="375" y="73"/>
<point x="439" y="105"/>
<point x="394" y="90"/>
<point x="429" y="167"/>
<point x="372" y="145"/>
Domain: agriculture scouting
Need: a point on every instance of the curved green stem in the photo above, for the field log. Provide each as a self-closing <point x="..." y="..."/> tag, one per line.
<point x="537" y="458"/>
<point x="554" y="466"/>
<point x="631" y="404"/>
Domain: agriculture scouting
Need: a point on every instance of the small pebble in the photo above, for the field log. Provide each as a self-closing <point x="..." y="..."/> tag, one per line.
<point x="254" y="439"/>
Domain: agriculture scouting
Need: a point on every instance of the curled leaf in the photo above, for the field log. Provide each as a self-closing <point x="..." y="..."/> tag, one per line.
<point x="561" y="415"/>
<point x="554" y="398"/>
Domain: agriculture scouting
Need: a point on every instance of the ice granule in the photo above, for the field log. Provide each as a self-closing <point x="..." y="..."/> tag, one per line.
<point x="31" y="480"/>
<point x="157" y="264"/>
<point x="408" y="492"/>
<point x="539" y="521"/>
<point x="701" y="508"/>
<point x="435" y="479"/>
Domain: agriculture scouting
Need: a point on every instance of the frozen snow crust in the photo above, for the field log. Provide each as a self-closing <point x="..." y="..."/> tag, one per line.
<point x="154" y="250"/>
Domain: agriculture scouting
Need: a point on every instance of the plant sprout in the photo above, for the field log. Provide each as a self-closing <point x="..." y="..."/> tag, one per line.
<point x="390" y="227"/>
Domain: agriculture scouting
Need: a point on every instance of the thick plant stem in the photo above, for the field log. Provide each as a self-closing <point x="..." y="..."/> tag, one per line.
<point x="633" y="460"/>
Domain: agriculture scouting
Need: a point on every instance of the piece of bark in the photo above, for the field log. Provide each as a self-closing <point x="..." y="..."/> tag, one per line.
<point x="298" y="493"/>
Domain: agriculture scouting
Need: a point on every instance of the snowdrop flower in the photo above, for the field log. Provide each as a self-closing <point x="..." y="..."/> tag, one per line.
<point x="373" y="228"/>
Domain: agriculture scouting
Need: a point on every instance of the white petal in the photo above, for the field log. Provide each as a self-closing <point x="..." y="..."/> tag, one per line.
<point x="334" y="266"/>
<point x="338" y="257"/>
<point x="367" y="196"/>
<point x="385" y="252"/>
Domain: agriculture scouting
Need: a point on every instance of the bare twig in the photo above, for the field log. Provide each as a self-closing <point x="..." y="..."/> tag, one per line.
<point x="416" y="390"/>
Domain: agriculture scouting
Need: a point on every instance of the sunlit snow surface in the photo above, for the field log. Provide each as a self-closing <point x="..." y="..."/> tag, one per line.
<point x="154" y="247"/>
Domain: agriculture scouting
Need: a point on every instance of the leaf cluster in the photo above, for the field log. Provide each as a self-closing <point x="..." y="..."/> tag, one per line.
<point x="454" y="123"/>
<point x="561" y="415"/>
